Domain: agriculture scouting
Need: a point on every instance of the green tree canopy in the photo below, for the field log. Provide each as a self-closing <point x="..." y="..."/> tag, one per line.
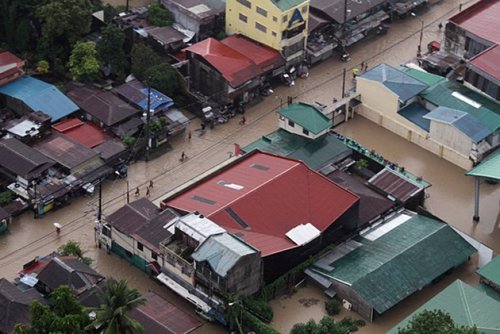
<point x="143" y="58"/>
<point x="64" y="314"/>
<point x="111" y="52"/>
<point x="436" y="322"/>
<point x="73" y="248"/>
<point x="83" y="62"/>
<point x="159" y="15"/>
<point x="328" y="326"/>
<point x="116" y="301"/>
<point x="164" y="78"/>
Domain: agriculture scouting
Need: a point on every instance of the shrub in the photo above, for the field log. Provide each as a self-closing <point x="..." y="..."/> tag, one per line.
<point x="333" y="306"/>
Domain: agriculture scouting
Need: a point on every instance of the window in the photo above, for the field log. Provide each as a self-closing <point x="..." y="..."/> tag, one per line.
<point x="275" y="19"/>
<point x="291" y="123"/>
<point x="306" y="132"/>
<point x="154" y="256"/>
<point x="245" y="3"/>
<point x="243" y="18"/>
<point x="285" y="18"/>
<point x="304" y="9"/>
<point x="260" y="27"/>
<point x="261" y="11"/>
<point x="140" y="246"/>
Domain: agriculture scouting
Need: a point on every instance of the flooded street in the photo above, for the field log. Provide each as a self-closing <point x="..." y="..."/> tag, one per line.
<point x="450" y="197"/>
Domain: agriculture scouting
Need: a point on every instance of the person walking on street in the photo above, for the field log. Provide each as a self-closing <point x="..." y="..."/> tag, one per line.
<point x="243" y="120"/>
<point x="189" y="135"/>
<point x="440" y="26"/>
<point x="151" y="184"/>
<point x="183" y="156"/>
<point x="137" y="192"/>
<point x="355" y="73"/>
<point x="147" y="192"/>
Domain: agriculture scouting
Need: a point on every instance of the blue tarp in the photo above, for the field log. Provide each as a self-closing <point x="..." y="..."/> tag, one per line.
<point x="157" y="100"/>
<point x="40" y="96"/>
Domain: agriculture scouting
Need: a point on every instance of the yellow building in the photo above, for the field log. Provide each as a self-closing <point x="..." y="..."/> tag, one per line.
<point x="279" y="24"/>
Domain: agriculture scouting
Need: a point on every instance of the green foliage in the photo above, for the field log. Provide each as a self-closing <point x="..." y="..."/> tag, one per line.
<point x="116" y="301"/>
<point x="111" y="52"/>
<point x="15" y="24"/>
<point x="333" y="306"/>
<point x="361" y="164"/>
<point x="73" y="248"/>
<point x="43" y="67"/>
<point x="326" y="326"/>
<point x="159" y="15"/>
<point x="437" y="322"/>
<point x="6" y="197"/>
<point x="253" y="323"/>
<point x="129" y="140"/>
<point x="260" y="308"/>
<point x="83" y="62"/>
<point x="64" y="314"/>
<point x="143" y="58"/>
<point x="164" y="78"/>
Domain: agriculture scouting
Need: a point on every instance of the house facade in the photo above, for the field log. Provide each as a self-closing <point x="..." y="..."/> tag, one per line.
<point x="281" y="25"/>
<point x="304" y="120"/>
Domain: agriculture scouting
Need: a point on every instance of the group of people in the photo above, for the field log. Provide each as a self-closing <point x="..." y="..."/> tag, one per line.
<point x="148" y="189"/>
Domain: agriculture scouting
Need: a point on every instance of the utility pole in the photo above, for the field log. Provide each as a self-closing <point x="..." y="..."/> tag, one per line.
<point x="126" y="5"/>
<point x="148" y="117"/>
<point x="99" y="210"/>
<point x="343" y="83"/>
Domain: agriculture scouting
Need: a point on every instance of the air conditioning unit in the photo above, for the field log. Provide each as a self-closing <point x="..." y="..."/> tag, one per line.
<point x="346" y="305"/>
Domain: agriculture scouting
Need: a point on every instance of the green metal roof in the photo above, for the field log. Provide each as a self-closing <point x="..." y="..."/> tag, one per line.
<point x="285" y="5"/>
<point x="400" y="262"/>
<point x="222" y="252"/>
<point x="426" y="77"/>
<point x="307" y="117"/>
<point x="489" y="167"/>
<point x="441" y="95"/>
<point x="466" y="305"/>
<point x="491" y="271"/>
<point x="315" y="153"/>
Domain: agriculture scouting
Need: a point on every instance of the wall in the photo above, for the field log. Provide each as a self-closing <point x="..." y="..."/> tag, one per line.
<point x="451" y="137"/>
<point x="205" y="79"/>
<point x="393" y="124"/>
<point x="359" y="305"/>
<point x="377" y="97"/>
<point x="297" y="129"/>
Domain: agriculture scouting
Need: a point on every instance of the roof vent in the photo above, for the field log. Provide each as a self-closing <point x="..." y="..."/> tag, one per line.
<point x="202" y="216"/>
<point x="196" y="213"/>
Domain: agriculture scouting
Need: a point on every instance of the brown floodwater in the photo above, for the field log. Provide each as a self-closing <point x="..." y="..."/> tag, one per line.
<point x="450" y="197"/>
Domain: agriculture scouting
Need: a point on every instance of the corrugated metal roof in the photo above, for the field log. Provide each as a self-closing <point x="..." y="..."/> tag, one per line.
<point x="487" y="61"/>
<point x="306" y="116"/>
<point x="402" y="84"/>
<point x="315" y="153"/>
<point x="489" y="167"/>
<point x="276" y="194"/>
<point x="441" y="94"/>
<point x="137" y="93"/>
<point x="394" y="184"/>
<point x="22" y="160"/>
<point x="86" y="134"/>
<point x="491" y="271"/>
<point x="415" y="113"/>
<point x="466" y="305"/>
<point x="464" y="122"/>
<point x="428" y="78"/>
<point x="234" y="67"/>
<point x="285" y="5"/>
<point x="222" y="252"/>
<point x="197" y="227"/>
<point x="335" y="8"/>
<point x="481" y="19"/>
<point x="400" y="262"/>
<point x="40" y="96"/>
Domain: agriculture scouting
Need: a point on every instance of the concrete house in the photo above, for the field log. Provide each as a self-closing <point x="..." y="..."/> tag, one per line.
<point x="304" y="119"/>
<point x="281" y="25"/>
<point x="11" y="67"/>
<point x="388" y="262"/>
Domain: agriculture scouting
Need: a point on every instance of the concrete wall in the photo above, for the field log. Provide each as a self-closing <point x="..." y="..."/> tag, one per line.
<point x="394" y="124"/>
<point x="377" y="97"/>
<point x="451" y="137"/>
<point x="297" y="129"/>
<point x="359" y="305"/>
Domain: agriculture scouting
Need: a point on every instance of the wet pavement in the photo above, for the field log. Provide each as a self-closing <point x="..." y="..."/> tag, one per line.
<point x="450" y="197"/>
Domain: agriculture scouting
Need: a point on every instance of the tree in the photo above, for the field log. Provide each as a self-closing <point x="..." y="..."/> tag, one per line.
<point x="83" y="63"/>
<point x="73" y="248"/>
<point x="333" y="306"/>
<point x="64" y="314"/>
<point x="328" y="326"/>
<point x="42" y="67"/>
<point x="110" y="48"/>
<point x="164" y="78"/>
<point x="159" y="15"/>
<point x="437" y="322"/>
<point x="143" y="58"/>
<point x="116" y="301"/>
<point x="63" y="23"/>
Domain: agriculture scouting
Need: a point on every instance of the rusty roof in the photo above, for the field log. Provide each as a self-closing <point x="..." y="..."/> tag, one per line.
<point x="394" y="185"/>
<point x="161" y="317"/>
<point x="481" y="19"/>
<point x="488" y="62"/>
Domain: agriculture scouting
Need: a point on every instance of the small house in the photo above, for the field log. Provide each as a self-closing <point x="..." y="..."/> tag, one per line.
<point x="11" y="67"/>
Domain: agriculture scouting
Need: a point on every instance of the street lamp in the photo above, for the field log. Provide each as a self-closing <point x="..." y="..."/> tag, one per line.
<point x="419" y="49"/>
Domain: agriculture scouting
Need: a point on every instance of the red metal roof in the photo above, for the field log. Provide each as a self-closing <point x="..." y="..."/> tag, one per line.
<point x="235" y="67"/>
<point x="86" y="134"/>
<point x="269" y="195"/>
<point x="481" y="19"/>
<point x="9" y="64"/>
<point x="264" y="57"/>
<point x="488" y="61"/>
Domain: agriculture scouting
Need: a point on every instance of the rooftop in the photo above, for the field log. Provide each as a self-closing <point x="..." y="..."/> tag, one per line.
<point x="487" y="62"/>
<point x="85" y="133"/>
<point x="22" y="160"/>
<point x="285" y="5"/>
<point x="415" y="113"/>
<point x="307" y="117"/>
<point x="335" y="8"/>
<point x="466" y="305"/>
<point x="394" y="184"/>
<point x="395" y="258"/>
<point x="9" y="64"/>
<point x="400" y="83"/>
<point x="489" y="167"/>
<point x="199" y="9"/>
<point x="481" y="19"/>
<point x="315" y="153"/>
<point x="457" y="96"/>
<point x="491" y="271"/>
<point x="40" y="96"/>
<point x="260" y="188"/>
<point x="137" y="93"/>
<point x="429" y="79"/>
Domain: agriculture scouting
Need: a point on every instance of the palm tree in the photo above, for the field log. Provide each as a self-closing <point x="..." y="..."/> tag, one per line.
<point x="116" y="301"/>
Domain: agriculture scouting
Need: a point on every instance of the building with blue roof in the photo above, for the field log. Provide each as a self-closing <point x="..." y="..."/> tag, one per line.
<point x="37" y="95"/>
<point x="136" y="93"/>
<point x="442" y="116"/>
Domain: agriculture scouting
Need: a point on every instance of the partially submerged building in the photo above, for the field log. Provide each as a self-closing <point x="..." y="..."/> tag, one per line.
<point x="389" y="261"/>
